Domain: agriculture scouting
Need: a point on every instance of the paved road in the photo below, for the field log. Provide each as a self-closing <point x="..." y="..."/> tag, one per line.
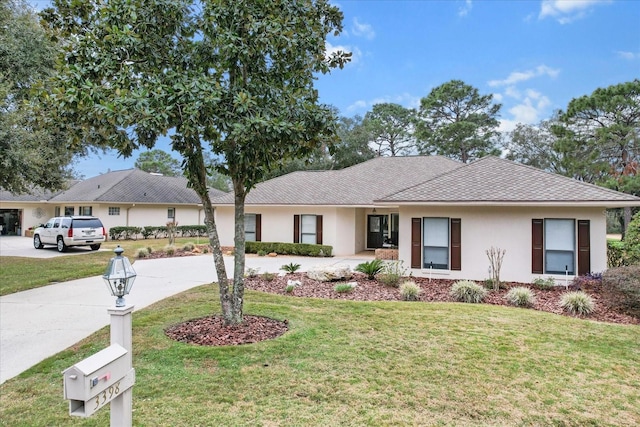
<point x="39" y="323"/>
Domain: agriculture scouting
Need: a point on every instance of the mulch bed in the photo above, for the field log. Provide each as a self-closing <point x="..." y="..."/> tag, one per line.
<point x="212" y="331"/>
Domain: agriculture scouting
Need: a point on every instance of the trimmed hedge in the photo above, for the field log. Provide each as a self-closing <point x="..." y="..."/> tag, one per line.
<point x="303" y="249"/>
<point x="155" y="232"/>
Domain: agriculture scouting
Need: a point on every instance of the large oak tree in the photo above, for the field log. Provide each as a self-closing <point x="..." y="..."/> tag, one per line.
<point x="234" y="78"/>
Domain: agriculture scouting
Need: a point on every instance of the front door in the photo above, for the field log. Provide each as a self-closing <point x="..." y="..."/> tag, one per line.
<point x="377" y="230"/>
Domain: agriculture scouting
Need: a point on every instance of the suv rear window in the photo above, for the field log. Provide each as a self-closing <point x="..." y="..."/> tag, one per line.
<point x="87" y="223"/>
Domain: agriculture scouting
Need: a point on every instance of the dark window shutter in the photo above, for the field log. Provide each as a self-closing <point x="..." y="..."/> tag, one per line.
<point x="416" y="242"/>
<point x="319" y="229"/>
<point x="537" y="246"/>
<point x="584" y="247"/>
<point x="296" y="229"/>
<point x="258" y="227"/>
<point x="456" y="247"/>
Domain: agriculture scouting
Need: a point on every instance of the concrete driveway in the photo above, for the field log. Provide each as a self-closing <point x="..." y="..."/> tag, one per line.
<point x="23" y="247"/>
<point x="39" y="323"/>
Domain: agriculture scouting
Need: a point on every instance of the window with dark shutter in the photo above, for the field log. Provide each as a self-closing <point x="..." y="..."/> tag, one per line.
<point x="318" y="229"/>
<point x="584" y="247"/>
<point x="258" y="227"/>
<point x="416" y="242"/>
<point x="537" y="246"/>
<point x="456" y="244"/>
<point x="296" y="229"/>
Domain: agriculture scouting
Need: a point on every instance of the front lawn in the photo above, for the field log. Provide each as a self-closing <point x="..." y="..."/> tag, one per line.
<point x="354" y="363"/>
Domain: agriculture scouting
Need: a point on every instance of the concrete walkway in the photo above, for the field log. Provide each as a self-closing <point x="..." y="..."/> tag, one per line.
<point x="39" y="323"/>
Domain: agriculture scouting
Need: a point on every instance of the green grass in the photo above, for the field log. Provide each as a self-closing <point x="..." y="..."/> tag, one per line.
<point x="360" y="364"/>
<point x="20" y="274"/>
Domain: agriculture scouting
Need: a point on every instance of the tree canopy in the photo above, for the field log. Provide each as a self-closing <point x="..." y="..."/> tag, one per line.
<point x="158" y="161"/>
<point x="390" y="127"/>
<point x="457" y="122"/>
<point x="32" y="154"/>
<point x="231" y="77"/>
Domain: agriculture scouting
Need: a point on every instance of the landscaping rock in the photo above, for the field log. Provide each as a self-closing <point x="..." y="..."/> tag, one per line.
<point x="330" y="273"/>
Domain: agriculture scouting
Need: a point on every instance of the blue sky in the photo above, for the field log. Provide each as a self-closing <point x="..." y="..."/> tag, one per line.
<point x="534" y="56"/>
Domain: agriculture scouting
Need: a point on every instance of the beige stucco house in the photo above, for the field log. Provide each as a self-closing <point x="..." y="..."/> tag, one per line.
<point x="121" y="198"/>
<point x="441" y="214"/>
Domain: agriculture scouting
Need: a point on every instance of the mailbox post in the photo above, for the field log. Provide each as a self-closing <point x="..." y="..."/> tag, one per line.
<point x="108" y="376"/>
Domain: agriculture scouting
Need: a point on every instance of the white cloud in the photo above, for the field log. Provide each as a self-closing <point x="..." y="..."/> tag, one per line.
<point x="356" y="54"/>
<point x="362" y="30"/>
<point x="567" y="11"/>
<point x="628" y="55"/>
<point x="464" y="10"/>
<point x="512" y="92"/>
<point x="520" y="76"/>
<point x="405" y="99"/>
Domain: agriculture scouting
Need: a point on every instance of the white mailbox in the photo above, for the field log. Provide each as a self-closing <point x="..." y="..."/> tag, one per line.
<point x="95" y="381"/>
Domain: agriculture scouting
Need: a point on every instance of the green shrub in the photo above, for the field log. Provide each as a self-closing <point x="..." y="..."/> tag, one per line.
<point x="577" y="303"/>
<point x="142" y="253"/>
<point x="370" y="268"/>
<point x="189" y="246"/>
<point x="268" y="276"/>
<point x="624" y="284"/>
<point x="262" y="253"/>
<point x="520" y="297"/>
<point x="344" y="287"/>
<point x="615" y="254"/>
<point x="632" y="241"/>
<point x="291" y="285"/>
<point x="149" y="249"/>
<point x="410" y="291"/>
<point x="545" y="284"/>
<point x="124" y="233"/>
<point x="251" y="272"/>
<point x="468" y="291"/>
<point x="391" y="273"/>
<point x="303" y="249"/>
<point x="290" y="268"/>
<point x="289" y="288"/>
<point x="170" y="250"/>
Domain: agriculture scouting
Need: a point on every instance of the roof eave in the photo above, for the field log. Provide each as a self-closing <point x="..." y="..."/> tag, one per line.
<point x="526" y="203"/>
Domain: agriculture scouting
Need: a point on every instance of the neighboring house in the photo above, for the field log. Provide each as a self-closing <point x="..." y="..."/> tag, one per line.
<point x="121" y="198"/>
<point x="442" y="215"/>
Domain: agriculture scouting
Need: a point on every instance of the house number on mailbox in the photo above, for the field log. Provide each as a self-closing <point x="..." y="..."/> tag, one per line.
<point x="107" y="396"/>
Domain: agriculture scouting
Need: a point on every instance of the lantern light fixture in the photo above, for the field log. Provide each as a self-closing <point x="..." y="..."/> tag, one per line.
<point x="119" y="276"/>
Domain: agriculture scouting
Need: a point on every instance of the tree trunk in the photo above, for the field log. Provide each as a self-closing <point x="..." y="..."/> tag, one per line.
<point x="237" y="297"/>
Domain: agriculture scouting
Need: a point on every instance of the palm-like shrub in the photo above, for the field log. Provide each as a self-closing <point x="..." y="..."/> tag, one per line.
<point x="370" y="268"/>
<point x="468" y="291"/>
<point x="577" y="303"/>
<point x="410" y="291"/>
<point x="290" y="268"/>
<point x="520" y="297"/>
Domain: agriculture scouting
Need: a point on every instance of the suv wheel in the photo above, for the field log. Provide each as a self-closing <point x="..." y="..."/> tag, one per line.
<point x="95" y="247"/>
<point x="61" y="246"/>
<point x="37" y="243"/>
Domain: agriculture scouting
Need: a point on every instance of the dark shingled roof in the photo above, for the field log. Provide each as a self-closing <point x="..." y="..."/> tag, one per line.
<point x="127" y="186"/>
<point x="358" y="185"/>
<point x="495" y="180"/>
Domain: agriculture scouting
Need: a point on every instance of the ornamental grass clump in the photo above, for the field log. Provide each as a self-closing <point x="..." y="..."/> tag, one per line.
<point x="142" y="253"/>
<point x="468" y="291"/>
<point x="188" y="247"/>
<point x="410" y="291"/>
<point x="268" y="276"/>
<point x="169" y="250"/>
<point x="521" y="297"/>
<point x="577" y="303"/>
<point x="370" y="268"/>
<point x="342" y="288"/>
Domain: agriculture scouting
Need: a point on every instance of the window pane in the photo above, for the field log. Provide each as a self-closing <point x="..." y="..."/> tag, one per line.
<point x="438" y="256"/>
<point x="557" y="261"/>
<point x="69" y="210"/>
<point x="308" y="224"/>
<point x="436" y="232"/>
<point x="559" y="234"/>
<point x="250" y="223"/>
<point x="308" y="238"/>
<point x="249" y="236"/>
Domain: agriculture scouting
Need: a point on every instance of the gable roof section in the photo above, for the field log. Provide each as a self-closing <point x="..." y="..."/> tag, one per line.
<point x="357" y="185"/>
<point x="492" y="180"/>
<point x="132" y="186"/>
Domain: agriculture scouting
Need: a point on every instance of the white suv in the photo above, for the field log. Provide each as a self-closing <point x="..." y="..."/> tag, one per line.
<point x="65" y="231"/>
